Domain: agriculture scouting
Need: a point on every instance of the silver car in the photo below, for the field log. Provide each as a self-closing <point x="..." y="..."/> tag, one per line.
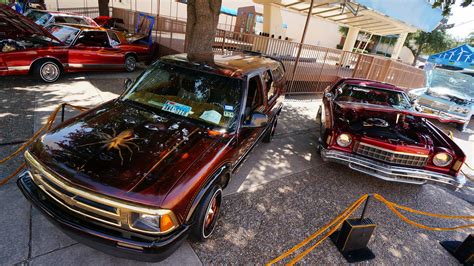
<point x="450" y="96"/>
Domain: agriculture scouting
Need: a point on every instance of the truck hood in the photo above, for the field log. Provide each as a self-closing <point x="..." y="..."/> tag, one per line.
<point x="13" y="25"/>
<point x="124" y="151"/>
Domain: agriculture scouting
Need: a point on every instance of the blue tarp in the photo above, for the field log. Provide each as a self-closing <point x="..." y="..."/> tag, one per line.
<point x="461" y="56"/>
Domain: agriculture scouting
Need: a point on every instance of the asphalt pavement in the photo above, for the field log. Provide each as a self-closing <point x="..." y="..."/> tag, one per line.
<point x="282" y="193"/>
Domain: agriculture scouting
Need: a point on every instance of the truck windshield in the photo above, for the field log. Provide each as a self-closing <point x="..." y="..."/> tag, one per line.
<point x="205" y="97"/>
<point x="367" y="95"/>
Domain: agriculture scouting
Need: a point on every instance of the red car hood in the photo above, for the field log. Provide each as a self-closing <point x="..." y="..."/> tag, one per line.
<point x="14" y="25"/>
<point x="156" y="152"/>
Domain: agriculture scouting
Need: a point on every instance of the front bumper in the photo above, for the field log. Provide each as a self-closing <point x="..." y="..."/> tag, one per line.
<point x="110" y="240"/>
<point x="446" y="117"/>
<point x="390" y="172"/>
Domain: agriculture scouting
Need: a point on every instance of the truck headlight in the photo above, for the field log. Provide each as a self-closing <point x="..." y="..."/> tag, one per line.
<point x="344" y="140"/>
<point x="442" y="159"/>
<point x="461" y="110"/>
<point x="151" y="223"/>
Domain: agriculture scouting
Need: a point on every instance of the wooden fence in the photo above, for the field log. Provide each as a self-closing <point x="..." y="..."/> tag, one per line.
<point x="317" y="67"/>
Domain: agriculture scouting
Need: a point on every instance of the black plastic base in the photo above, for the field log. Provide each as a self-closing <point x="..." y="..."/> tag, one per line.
<point x="354" y="255"/>
<point x="451" y="247"/>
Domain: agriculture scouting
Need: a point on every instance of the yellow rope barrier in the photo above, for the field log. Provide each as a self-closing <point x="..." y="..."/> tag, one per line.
<point x="45" y="128"/>
<point x="405" y="219"/>
<point x="341" y="216"/>
<point x="337" y="222"/>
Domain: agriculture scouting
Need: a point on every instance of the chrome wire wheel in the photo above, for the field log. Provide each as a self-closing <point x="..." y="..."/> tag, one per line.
<point x="49" y="71"/>
<point x="212" y="214"/>
<point x="130" y="63"/>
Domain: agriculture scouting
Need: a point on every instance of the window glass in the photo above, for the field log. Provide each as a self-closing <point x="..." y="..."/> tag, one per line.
<point x="70" y="20"/>
<point x="63" y="33"/>
<point x="269" y="84"/>
<point x="367" y="95"/>
<point x="254" y="97"/>
<point x="199" y="96"/>
<point x="93" y="38"/>
<point x="40" y="18"/>
<point x="114" y="38"/>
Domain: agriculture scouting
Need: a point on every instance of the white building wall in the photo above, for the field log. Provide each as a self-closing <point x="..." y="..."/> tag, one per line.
<point x="320" y="32"/>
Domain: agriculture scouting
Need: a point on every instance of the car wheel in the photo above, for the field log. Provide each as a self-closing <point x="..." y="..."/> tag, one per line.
<point x="130" y="63"/>
<point x="462" y="127"/>
<point x="47" y="71"/>
<point x="270" y="132"/>
<point x="207" y="215"/>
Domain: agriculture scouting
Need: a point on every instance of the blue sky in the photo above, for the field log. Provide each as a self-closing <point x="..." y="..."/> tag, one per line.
<point x="463" y="18"/>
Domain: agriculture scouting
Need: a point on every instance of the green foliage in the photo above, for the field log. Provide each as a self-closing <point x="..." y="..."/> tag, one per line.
<point x="470" y="39"/>
<point x="433" y="42"/>
<point x="446" y="5"/>
<point x="343" y="31"/>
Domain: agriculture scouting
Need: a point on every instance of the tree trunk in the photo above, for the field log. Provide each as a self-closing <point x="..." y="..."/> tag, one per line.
<point x="203" y="16"/>
<point x="417" y="54"/>
<point x="103" y="7"/>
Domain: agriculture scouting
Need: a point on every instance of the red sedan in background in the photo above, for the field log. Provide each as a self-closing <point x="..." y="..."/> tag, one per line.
<point x="27" y="48"/>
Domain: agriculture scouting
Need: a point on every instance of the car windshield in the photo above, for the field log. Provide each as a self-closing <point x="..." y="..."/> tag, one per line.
<point x="209" y="98"/>
<point x="448" y="82"/>
<point x="367" y="95"/>
<point x="63" y="33"/>
<point x="40" y="18"/>
<point x="70" y="20"/>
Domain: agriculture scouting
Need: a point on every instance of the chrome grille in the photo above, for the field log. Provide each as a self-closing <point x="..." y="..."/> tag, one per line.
<point x="438" y="105"/>
<point x="76" y="203"/>
<point x="89" y="204"/>
<point x="389" y="156"/>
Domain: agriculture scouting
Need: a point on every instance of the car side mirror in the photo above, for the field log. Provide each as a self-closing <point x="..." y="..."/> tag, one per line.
<point x="329" y="95"/>
<point x="258" y="120"/>
<point x="127" y="84"/>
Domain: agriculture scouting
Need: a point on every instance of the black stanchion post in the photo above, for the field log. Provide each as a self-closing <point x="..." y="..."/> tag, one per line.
<point x="463" y="251"/>
<point x="62" y="112"/>
<point x="354" y="236"/>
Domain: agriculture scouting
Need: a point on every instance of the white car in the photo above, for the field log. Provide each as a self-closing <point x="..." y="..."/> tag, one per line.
<point x="450" y="97"/>
<point x="45" y="18"/>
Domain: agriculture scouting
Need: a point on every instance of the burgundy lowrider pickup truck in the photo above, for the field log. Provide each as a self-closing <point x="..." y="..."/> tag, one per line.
<point x="134" y="176"/>
<point x="27" y="48"/>
<point x="373" y="128"/>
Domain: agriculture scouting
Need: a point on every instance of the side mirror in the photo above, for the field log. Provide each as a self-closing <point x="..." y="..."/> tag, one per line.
<point x="257" y="120"/>
<point x="126" y="86"/>
<point x="329" y="95"/>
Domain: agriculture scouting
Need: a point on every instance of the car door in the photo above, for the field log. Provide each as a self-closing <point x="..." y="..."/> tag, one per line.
<point x="254" y="102"/>
<point x="92" y="51"/>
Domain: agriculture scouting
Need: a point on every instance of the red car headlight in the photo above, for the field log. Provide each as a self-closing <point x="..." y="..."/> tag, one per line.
<point x="344" y="140"/>
<point x="442" y="159"/>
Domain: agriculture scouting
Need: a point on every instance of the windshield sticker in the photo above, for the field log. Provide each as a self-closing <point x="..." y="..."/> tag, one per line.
<point x="177" y="108"/>
<point x="228" y="114"/>
<point x="211" y="116"/>
<point x="228" y="108"/>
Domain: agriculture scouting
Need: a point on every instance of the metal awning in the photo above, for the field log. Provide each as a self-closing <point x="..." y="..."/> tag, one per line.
<point x="350" y="14"/>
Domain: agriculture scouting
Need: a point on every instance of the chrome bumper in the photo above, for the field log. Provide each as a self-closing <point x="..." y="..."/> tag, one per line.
<point x="445" y="116"/>
<point x="390" y="172"/>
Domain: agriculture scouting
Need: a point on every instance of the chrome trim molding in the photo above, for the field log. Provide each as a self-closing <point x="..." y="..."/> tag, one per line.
<point x="389" y="172"/>
<point x="18" y="68"/>
<point x="69" y="196"/>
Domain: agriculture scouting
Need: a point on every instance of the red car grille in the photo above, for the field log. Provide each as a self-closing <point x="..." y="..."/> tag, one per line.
<point x="393" y="157"/>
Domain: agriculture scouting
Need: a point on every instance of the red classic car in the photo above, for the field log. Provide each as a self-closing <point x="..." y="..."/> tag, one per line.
<point x="373" y="128"/>
<point x="27" y="48"/>
<point x="135" y="176"/>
